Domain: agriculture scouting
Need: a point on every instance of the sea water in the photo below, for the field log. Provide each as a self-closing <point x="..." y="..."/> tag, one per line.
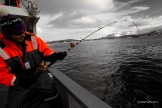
<point x="123" y="72"/>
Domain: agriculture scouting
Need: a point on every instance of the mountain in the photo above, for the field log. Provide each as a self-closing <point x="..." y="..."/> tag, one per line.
<point x="149" y="32"/>
<point x="60" y="41"/>
<point x="157" y="32"/>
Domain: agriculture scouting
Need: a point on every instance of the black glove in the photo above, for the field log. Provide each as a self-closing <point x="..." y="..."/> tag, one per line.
<point x="24" y="81"/>
<point x="60" y="55"/>
<point x="56" y="56"/>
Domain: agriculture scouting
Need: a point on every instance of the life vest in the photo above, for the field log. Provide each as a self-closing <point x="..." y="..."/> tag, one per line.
<point x="13" y="61"/>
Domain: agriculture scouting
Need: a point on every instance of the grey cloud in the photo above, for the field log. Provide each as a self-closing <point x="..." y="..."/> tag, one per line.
<point x="55" y="6"/>
<point x="66" y="20"/>
<point x="71" y="9"/>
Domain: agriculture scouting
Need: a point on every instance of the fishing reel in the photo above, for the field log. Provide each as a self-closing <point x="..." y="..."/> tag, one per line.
<point x="42" y="67"/>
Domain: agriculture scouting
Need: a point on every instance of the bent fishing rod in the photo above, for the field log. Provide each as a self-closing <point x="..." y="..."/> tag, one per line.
<point x="100" y="28"/>
<point x="74" y="45"/>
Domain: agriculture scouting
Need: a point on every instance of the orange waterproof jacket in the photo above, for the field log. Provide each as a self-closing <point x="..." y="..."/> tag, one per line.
<point x="13" y="61"/>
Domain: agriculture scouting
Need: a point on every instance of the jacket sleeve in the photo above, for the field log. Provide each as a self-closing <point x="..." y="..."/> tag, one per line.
<point x="6" y="78"/>
<point x="43" y="47"/>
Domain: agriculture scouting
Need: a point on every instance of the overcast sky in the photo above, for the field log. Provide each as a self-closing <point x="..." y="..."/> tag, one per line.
<point x="75" y="19"/>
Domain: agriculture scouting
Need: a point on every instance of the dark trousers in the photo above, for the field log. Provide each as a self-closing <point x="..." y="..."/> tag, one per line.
<point x="34" y="96"/>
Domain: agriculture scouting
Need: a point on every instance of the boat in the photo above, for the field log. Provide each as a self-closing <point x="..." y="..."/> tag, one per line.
<point x="73" y="95"/>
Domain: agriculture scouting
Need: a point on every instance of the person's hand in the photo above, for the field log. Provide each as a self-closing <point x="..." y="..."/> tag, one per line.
<point x="60" y="55"/>
<point x="57" y="56"/>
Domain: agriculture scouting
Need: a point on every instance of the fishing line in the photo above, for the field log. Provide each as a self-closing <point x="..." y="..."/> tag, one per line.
<point x="25" y="6"/>
<point x="72" y="45"/>
<point x="31" y="12"/>
<point x="100" y="28"/>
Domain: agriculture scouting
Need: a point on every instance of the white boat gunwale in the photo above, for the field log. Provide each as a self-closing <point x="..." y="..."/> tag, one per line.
<point x="74" y="90"/>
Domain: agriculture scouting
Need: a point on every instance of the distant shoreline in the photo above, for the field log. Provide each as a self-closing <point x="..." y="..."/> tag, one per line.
<point x="105" y="38"/>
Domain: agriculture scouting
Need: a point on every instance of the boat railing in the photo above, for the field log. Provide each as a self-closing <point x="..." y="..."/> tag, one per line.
<point x="74" y="95"/>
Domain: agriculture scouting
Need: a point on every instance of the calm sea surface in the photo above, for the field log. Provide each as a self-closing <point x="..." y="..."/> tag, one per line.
<point x="125" y="73"/>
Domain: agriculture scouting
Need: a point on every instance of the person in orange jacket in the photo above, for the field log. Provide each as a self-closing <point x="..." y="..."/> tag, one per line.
<point x="15" y="3"/>
<point x="21" y="54"/>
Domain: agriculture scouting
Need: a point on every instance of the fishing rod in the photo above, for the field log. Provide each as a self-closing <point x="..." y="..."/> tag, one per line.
<point x="132" y="23"/>
<point x="74" y="45"/>
<point x="100" y="28"/>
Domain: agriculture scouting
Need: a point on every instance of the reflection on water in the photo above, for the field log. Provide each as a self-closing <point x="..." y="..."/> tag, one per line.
<point x="137" y="81"/>
<point x="125" y="73"/>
